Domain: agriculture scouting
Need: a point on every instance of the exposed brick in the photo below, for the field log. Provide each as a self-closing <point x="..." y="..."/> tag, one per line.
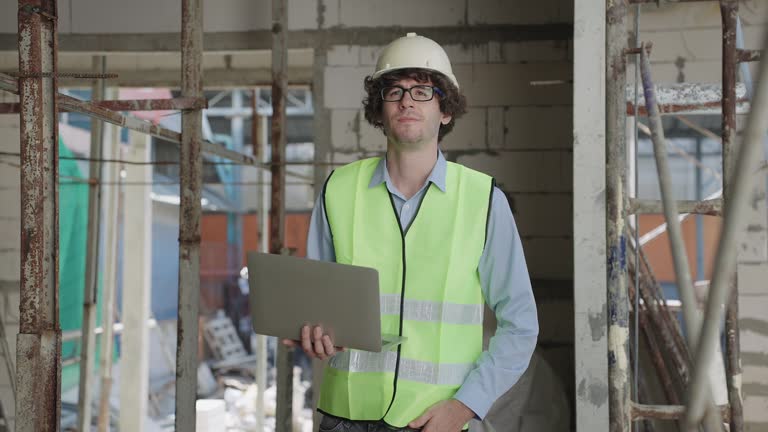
<point x="345" y="130"/>
<point x="355" y="13"/>
<point x="545" y="215"/>
<point x="480" y="53"/>
<point x="496" y="127"/>
<point x="538" y="127"/>
<point x="468" y="133"/>
<point x="302" y="14"/>
<point x="495" y="52"/>
<point x="552" y="325"/>
<point x="253" y="59"/>
<point x="550" y="258"/>
<point x="503" y="12"/>
<point x="510" y="84"/>
<point x="752" y="277"/>
<point x="330" y="13"/>
<point x="344" y="86"/>
<point x="459" y="54"/>
<point x="526" y="171"/>
<point x="369" y="55"/>
<point x="404" y="13"/>
<point x="535" y="51"/>
<point x="343" y="55"/>
<point x="371" y="139"/>
<point x="10" y="263"/>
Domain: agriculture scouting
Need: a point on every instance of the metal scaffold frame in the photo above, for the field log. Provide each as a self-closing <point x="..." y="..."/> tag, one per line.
<point x="690" y="362"/>
<point x="39" y="339"/>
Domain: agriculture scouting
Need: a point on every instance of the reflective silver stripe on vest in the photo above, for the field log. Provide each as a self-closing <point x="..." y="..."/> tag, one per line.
<point x="411" y="370"/>
<point x="421" y="310"/>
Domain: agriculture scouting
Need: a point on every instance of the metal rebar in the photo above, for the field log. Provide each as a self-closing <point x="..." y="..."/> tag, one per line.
<point x="616" y="204"/>
<point x="90" y="288"/>
<point x="38" y="346"/>
<point x="284" y="415"/>
<point x="729" y="16"/>
<point x="710" y="207"/>
<point x="190" y="172"/>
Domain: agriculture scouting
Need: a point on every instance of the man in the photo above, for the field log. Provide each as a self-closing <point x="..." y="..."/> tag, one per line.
<point x="444" y="241"/>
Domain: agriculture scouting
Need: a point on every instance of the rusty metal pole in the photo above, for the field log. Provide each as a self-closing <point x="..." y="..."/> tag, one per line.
<point x="191" y="174"/>
<point x="38" y="344"/>
<point x="90" y="298"/>
<point x="729" y="15"/>
<point x="284" y="415"/>
<point x="616" y="204"/>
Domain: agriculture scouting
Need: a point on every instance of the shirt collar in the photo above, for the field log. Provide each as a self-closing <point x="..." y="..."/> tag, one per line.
<point x="437" y="176"/>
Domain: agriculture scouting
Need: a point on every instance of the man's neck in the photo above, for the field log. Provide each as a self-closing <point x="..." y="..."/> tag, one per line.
<point x="409" y="169"/>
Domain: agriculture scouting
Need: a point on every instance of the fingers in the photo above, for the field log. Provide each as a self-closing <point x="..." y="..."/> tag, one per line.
<point x="328" y="345"/>
<point x="317" y="337"/>
<point x="315" y="344"/>
<point x="421" y="420"/>
<point x="289" y="342"/>
<point x="306" y="342"/>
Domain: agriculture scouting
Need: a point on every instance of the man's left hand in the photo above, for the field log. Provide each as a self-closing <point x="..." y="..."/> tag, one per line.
<point x="447" y="416"/>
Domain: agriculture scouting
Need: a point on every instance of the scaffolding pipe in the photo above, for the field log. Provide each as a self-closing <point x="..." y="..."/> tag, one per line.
<point x="110" y="202"/>
<point x="259" y="131"/>
<point x="128" y="105"/>
<point x="190" y="172"/>
<point x="665" y="412"/>
<point x="38" y="344"/>
<point x="616" y="204"/>
<point x="284" y="415"/>
<point x="69" y="103"/>
<point x="730" y="57"/>
<point x="671" y="214"/>
<point x="90" y="297"/>
<point x="712" y="207"/>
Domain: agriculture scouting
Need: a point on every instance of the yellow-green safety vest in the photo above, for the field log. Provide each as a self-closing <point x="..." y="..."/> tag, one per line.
<point x="430" y="292"/>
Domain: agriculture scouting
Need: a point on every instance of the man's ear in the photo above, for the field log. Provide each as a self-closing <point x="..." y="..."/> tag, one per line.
<point x="446" y="119"/>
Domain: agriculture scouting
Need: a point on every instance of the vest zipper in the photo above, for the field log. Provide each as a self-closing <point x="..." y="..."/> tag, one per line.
<point x="402" y="289"/>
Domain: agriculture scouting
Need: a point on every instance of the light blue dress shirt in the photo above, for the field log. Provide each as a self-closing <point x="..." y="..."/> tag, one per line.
<point x="505" y="283"/>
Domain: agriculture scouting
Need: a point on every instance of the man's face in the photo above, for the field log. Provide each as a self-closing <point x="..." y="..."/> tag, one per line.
<point x="412" y="124"/>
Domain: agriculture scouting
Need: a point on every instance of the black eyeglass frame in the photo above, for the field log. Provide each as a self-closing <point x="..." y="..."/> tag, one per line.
<point x="435" y="90"/>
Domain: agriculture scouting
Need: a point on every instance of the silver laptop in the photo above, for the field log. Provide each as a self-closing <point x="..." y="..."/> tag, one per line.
<point x="288" y="292"/>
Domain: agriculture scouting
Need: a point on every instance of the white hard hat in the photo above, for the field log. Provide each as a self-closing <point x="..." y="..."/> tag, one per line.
<point x="413" y="51"/>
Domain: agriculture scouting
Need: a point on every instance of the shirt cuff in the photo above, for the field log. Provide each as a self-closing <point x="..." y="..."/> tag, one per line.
<point x="474" y="400"/>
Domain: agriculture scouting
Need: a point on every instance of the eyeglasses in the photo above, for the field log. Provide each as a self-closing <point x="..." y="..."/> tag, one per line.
<point x="419" y="93"/>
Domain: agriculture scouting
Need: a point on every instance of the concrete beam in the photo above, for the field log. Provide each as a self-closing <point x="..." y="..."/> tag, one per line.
<point x="262" y="39"/>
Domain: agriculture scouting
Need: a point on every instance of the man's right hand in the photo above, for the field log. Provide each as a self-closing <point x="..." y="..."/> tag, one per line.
<point x="315" y="343"/>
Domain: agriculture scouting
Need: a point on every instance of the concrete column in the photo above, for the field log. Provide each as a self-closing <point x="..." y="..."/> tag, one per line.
<point x="589" y="217"/>
<point x="137" y="259"/>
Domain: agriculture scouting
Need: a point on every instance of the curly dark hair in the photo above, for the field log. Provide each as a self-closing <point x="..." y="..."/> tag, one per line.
<point x="453" y="103"/>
